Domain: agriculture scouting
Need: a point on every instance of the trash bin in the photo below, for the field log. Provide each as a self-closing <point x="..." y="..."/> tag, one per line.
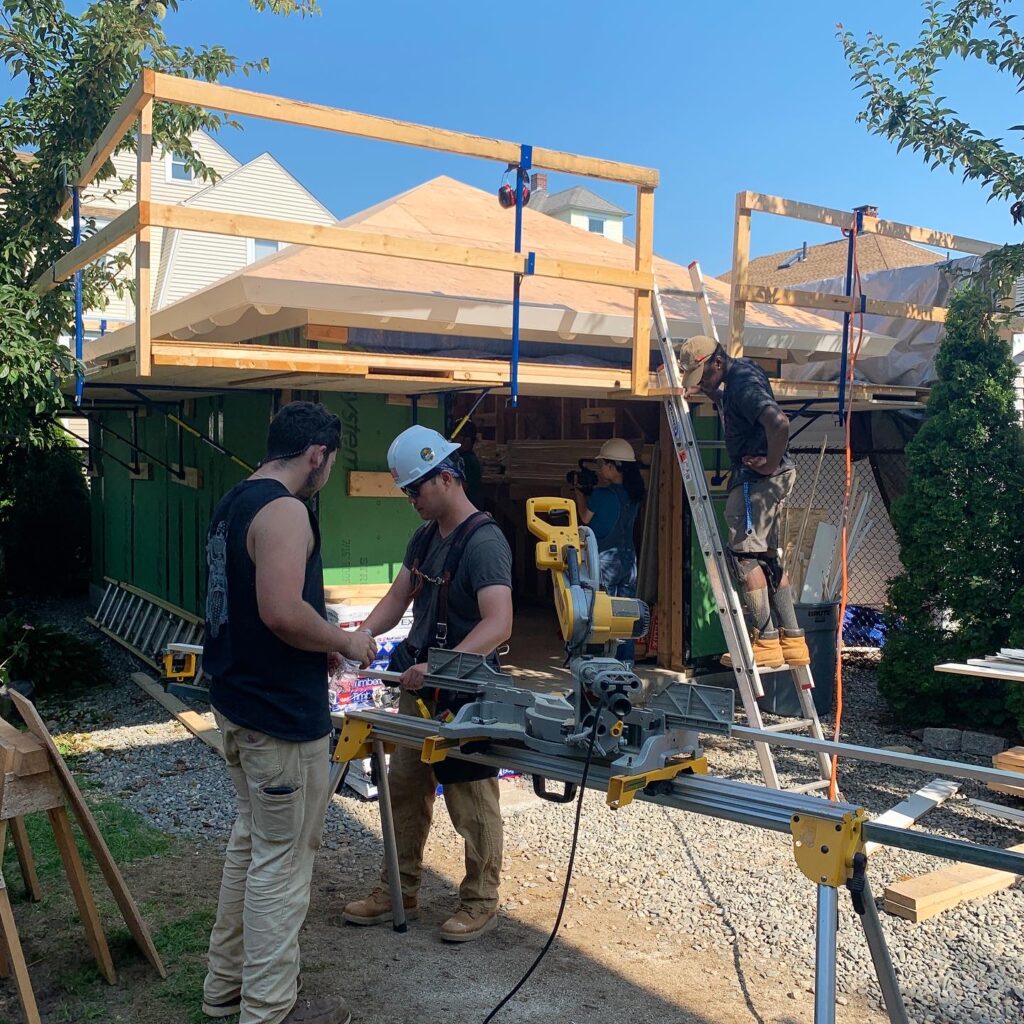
<point x="819" y="622"/>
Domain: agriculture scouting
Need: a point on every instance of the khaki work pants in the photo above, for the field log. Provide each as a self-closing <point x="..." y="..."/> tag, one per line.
<point x="475" y="811"/>
<point x="264" y="894"/>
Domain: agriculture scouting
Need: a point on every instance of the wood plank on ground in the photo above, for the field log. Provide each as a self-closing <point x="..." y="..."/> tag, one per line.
<point x="918" y="899"/>
<point x="908" y="811"/>
<point x="200" y="726"/>
<point x="1011" y="760"/>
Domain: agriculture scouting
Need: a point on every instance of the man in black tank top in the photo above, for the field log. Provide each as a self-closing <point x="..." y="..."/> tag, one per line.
<point x="457" y="573"/>
<point x="267" y="650"/>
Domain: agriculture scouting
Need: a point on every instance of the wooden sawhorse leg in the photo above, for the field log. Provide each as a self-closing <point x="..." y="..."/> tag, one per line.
<point x="82" y="892"/>
<point x="15" y="958"/>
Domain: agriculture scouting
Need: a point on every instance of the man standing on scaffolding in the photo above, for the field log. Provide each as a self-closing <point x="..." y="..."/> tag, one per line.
<point x="761" y="481"/>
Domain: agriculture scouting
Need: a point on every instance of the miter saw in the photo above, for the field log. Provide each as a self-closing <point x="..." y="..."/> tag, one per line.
<point x="606" y="716"/>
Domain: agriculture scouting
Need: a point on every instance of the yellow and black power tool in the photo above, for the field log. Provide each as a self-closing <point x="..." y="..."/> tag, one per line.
<point x="591" y="620"/>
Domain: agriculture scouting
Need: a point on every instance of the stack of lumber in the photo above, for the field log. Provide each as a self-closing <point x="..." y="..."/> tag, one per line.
<point x="918" y="899"/>
<point x="1011" y="760"/>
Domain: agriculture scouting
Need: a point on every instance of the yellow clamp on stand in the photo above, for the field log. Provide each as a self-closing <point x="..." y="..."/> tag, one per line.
<point x="436" y="748"/>
<point x="824" y="849"/>
<point x="356" y="742"/>
<point x="623" y="788"/>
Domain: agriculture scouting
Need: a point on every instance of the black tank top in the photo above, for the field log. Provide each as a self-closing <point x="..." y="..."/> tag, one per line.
<point x="259" y="681"/>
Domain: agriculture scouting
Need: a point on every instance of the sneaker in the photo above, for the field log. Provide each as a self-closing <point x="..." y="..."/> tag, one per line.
<point x="794" y="648"/>
<point x="229" y="1007"/>
<point x="319" y="1011"/>
<point x="376" y="909"/>
<point x="767" y="653"/>
<point x="466" y="925"/>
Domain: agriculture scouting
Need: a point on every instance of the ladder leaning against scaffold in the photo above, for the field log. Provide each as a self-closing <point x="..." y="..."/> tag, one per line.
<point x="730" y="612"/>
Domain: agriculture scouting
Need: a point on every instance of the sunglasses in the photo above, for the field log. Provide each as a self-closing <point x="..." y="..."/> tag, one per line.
<point x="413" y="490"/>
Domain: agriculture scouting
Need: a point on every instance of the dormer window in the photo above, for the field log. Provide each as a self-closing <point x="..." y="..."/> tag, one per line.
<point x="596" y="225"/>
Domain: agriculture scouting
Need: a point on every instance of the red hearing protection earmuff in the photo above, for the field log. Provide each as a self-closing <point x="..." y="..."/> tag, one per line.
<point x="507" y="192"/>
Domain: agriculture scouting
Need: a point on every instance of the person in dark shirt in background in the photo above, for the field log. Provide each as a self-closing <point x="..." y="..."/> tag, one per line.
<point x="267" y="650"/>
<point x="761" y="481"/>
<point x="470" y="463"/>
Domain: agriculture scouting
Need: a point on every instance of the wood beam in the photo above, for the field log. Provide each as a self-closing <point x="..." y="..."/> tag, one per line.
<point x="188" y="91"/>
<point x="117" y="127"/>
<point x="143" y="243"/>
<point x="186" y="218"/>
<point x="738" y="278"/>
<point x="412" y="368"/>
<point x="113" y="234"/>
<point x="643" y="263"/>
<point x="872" y="225"/>
<point x="772" y="296"/>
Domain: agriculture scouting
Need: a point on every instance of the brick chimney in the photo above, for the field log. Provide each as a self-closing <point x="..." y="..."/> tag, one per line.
<point x="539" y="182"/>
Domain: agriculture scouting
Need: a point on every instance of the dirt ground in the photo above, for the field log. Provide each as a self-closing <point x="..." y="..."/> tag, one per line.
<point x="603" y="969"/>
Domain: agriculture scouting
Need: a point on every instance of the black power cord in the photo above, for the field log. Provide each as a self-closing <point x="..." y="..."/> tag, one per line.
<point x="568" y="871"/>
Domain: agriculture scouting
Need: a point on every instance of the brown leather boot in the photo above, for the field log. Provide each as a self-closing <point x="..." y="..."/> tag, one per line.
<point x="467" y="924"/>
<point x="376" y="908"/>
<point x="767" y="653"/>
<point x="794" y="648"/>
<point x="229" y="1007"/>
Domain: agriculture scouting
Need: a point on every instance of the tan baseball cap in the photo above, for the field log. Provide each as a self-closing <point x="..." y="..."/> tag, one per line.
<point x="693" y="356"/>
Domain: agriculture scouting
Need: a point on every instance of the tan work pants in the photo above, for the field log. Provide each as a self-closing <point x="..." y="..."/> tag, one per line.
<point x="264" y="895"/>
<point x="475" y="811"/>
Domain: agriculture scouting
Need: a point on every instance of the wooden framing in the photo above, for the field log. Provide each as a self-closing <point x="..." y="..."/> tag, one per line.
<point x="748" y="203"/>
<point x="154" y="87"/>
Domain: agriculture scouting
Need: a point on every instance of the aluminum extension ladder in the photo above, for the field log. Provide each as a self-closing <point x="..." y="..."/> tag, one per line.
<point x="730" y="612"/>
<point x="147" y="626"/>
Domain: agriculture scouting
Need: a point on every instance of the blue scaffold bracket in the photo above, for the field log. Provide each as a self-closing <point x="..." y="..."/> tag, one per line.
<point x="531" y="263"/>
<point x="522" y="182"/>
<point x="76" y="237"/>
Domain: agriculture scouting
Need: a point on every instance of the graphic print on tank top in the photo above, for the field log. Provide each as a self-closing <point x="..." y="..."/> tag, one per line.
<point x="217" y="588"/>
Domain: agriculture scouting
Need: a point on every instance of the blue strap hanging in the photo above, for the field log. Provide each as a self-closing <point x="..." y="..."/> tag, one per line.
<point x="746" y="503"/>
<point x="522" y="177"/>
<point x="76" y="238"/>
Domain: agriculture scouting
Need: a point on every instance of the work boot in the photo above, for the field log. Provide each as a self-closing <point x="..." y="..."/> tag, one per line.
<point x="767" y="653"/>
<point x="465" y="925"/>
<point x="794" y="647"/>
<point x="376" y="908"/>
<point x="229" y="1007"/>
<point x="319" y="1011"/>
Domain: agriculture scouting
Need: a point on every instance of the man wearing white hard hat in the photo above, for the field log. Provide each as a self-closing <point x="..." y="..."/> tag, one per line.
<point x="761" y="481"/>
<point x="457" y="572"/>
<point x="610" y="510"/>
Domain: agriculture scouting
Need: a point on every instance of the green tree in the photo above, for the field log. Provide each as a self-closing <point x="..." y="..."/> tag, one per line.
<point x="72" y="72"/>
<point x="958" y="525"/>
<point x="902" y="103"/>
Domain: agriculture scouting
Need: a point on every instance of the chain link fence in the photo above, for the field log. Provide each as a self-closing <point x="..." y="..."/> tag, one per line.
<point x="818" y="499"/>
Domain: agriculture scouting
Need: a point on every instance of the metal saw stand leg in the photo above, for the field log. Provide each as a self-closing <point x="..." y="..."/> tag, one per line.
<point x="387" y="825"/>
<point x="827" y="928"/>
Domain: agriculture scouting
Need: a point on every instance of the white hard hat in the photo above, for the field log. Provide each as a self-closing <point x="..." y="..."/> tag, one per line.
<point x="417" y="452"/>
<point x="617" y="450"/>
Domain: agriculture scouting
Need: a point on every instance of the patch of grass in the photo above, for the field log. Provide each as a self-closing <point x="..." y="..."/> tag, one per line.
<point x="127" y="835"/>
<point x="183" y="944"/>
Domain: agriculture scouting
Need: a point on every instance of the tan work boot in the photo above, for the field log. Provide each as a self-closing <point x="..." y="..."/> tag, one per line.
<point x="376" y="909"/>
<point x="767" y="653"/>
<point x="465" y="925"/>
<point x="319" y="1011"/>
<point x="229" y="1007"/>
<point x="794" y="648"/>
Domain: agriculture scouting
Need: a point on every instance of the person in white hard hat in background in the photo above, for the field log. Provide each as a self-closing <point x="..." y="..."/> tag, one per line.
<point x="610" y="511"/>
<point x="457" y="573"/>
<point x="760" y="483"/>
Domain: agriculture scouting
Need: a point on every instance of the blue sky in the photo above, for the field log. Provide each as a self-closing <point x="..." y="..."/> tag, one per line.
<point x="719" y="97"/>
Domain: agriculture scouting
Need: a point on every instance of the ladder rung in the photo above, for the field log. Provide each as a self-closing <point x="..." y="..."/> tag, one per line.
<point x="793" y="725"/>
<point x="809" y="787"/>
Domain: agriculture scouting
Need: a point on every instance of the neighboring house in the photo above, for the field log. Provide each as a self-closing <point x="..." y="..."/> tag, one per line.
<point x="579" y="207"/>
<point x="185" y="262"/>
<point x="818" y="262"/>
